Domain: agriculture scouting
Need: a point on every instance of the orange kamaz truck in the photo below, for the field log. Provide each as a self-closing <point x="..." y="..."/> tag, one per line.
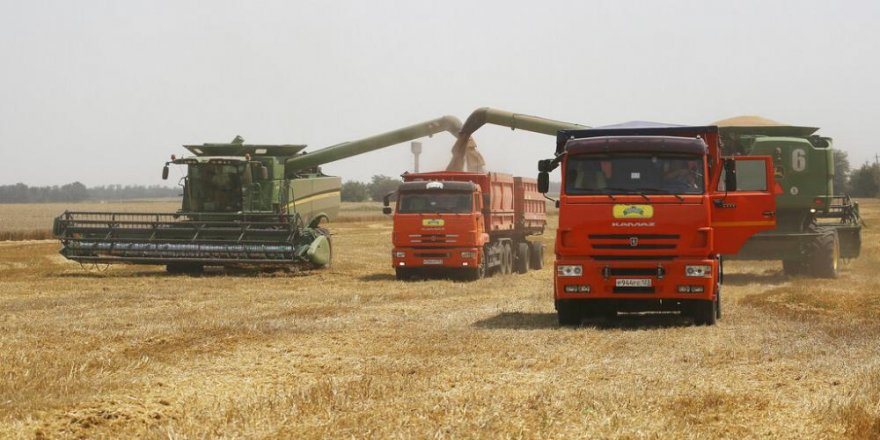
<point x="468" y="224"/>
<point x="645" y="211"/>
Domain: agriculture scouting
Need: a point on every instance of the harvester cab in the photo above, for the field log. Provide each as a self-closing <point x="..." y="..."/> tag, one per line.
<point x="233" y="177"/>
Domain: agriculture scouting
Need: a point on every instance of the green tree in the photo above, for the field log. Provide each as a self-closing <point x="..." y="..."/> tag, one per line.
<point x="381" y="185"/>
<point x="841" y="172"/>
<point x="354" y="191"/>
<point x="865" y="181"/>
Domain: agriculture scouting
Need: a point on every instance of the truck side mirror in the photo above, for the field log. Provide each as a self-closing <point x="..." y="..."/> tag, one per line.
<point x="386" y="203"/>
<point x="487" y="200"/>
<point x="264" y="172"/>
<point x="545" y="165"/>
<point x="543" y="182"/>
<point x="729" y="175"/>
<point x="165" y="172"/>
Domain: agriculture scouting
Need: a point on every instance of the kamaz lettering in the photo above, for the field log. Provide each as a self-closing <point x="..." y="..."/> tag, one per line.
<point x="633" y="224"/>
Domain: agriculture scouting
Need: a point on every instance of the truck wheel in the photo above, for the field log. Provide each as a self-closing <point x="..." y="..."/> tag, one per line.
<point x="793" y="267"/>
<point x="569" y="314"/>
<point x="477" y="272"/>
<point x="536" y="256"/>
<point x="402" y="274"/>
<point x="185" y="268"/>
<point x="825" y="257"/>
<point x="704" y="312"/>
<point x="522" y="258"/>
<point x="506" y="259"/>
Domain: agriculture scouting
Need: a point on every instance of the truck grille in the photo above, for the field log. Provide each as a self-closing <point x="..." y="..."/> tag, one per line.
<point x="634" y="242"/>
<point x="433" y="238"/>
<point x="638" y="246"/>
<point x="632" y="257"/>
<point x="432" y="254"/>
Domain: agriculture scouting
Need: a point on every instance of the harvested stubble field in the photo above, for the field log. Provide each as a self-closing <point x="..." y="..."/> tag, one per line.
<point x="349" y="352"/>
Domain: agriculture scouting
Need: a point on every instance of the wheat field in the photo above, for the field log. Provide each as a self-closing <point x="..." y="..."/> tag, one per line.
<point x="349" y="352"/>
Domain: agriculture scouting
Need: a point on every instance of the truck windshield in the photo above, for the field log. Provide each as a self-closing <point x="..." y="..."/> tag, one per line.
<point x="424" y="202"/>
<point x="215" y="187"/>
<point x="634" y="174"/>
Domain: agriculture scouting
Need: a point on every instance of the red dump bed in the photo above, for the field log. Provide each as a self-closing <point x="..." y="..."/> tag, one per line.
<point x="514" y="203"/>
<point x="529" y="205"/>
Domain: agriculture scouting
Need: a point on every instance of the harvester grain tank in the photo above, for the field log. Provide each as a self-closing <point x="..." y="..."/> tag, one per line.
<point x="645" y="211"/>
<point x="244" y="205"/>
<point x="814" y="227"/>
<point x="468" y="224"/>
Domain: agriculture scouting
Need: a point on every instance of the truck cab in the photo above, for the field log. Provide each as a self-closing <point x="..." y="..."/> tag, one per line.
<point x="644" y="215"/>
<point x="463" y="223"/>
<point x="438" y="224"/>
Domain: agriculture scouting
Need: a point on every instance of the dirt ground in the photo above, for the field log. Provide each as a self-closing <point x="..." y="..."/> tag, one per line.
<point x="351" y="353"/>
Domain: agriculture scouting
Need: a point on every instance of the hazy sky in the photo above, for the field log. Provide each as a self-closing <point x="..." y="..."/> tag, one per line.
<point x="104" y="91"/>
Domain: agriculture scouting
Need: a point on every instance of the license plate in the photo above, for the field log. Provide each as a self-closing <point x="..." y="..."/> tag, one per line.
<point x="633" y="282"/>
<point x="432" y="261"/>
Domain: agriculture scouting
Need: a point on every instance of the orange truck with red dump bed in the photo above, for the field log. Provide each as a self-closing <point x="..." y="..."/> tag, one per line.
<point x="470" y="224"/>
<point x="645" y="211"/>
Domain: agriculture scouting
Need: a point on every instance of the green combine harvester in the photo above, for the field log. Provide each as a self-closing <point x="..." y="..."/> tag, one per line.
<point x="815" y="228"/>
<point x="244" y="205"/>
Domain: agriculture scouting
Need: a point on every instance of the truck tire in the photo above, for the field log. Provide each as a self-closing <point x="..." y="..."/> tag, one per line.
<point x="522" y="258"/>
<point x="536" y="256"/>
<point x="477" y="272"/>
<point x="506" y="259"/>
<point x="402" y="273"/>
<point x="704" y="312"/>
<point x="825" y="256"/>
<point x="793" y="267"/>
<point x="569" y="314"/>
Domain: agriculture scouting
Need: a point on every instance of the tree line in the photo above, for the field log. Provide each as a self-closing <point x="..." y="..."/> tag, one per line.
<point x="77" y="192"/>
<point x="863" y="181"/>
<point x="379" y="185"/>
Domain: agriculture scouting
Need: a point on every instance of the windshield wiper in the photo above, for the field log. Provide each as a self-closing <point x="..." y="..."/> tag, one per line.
<point x="664" y="191"/>
<point x="624" y="191"/>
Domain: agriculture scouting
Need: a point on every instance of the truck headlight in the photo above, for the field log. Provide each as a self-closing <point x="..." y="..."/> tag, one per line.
<point x="468" y="254"/>
<point x="399" y="254"/>
<point x="569" y="270"/>
<point x="700" y="271"/>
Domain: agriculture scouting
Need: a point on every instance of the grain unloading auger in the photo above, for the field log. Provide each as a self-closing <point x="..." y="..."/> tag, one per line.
<point x="244" y="205"/>
<point x="465" y="149"/>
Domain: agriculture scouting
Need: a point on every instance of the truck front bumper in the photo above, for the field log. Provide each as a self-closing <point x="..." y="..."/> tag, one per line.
<point x="427" y="258"/>
<point x="634" y="280"/>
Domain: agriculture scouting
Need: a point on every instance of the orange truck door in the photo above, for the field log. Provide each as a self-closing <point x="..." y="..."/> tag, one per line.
<point x="737" y="215"/>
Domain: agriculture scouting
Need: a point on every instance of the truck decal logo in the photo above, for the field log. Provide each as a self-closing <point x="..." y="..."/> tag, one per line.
<point x="433" y="222"/>
<point x="634" y="241"/>
<point x="633" y="211"/>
